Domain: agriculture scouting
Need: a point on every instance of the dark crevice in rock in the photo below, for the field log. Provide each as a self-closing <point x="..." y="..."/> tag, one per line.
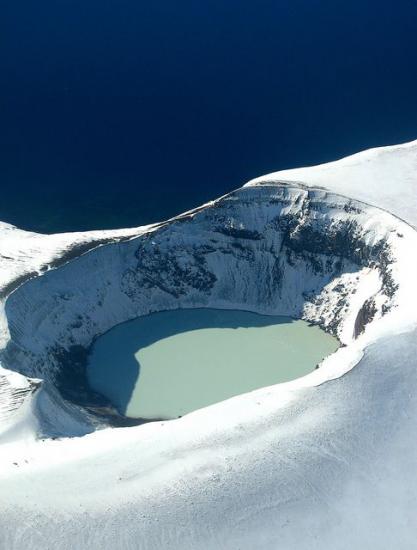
<point x="365" y="316"/>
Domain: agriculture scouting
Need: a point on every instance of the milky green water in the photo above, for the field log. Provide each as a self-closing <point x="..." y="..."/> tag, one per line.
<point x="167" y="364"/>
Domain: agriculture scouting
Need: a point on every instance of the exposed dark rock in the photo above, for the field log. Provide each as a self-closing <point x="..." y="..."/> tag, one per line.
<point x="365" y="316"/>
<point x="238" y="233"/>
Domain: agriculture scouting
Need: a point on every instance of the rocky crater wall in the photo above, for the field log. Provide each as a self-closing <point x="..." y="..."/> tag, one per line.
<point x="274" y="249"/>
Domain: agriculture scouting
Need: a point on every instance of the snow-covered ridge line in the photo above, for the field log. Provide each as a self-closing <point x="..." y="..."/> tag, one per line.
<point x="275" y="249"/>
<point x="381" y="176"/>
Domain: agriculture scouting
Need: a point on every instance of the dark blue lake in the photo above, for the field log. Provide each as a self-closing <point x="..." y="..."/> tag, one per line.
<point x="118" y="113"/>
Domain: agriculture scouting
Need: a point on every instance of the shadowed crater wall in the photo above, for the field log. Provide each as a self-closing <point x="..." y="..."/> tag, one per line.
<point x="275" y="249"/>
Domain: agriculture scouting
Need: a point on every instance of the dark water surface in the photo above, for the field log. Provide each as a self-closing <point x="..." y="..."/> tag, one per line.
<point x="117" y="113"/>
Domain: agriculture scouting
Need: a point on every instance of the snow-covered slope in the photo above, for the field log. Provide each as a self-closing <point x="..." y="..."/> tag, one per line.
<point x="327" y="461"/>
<point x="384" y="177"/>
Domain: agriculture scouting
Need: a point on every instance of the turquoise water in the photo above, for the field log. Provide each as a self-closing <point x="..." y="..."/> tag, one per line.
<point x="167" y="364"/>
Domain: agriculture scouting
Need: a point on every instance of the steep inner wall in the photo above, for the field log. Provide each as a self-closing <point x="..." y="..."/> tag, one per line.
<point x="274" y="249"/>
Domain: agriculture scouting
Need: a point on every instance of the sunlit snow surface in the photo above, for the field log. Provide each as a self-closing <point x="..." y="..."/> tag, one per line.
<point x="310" y="465"/>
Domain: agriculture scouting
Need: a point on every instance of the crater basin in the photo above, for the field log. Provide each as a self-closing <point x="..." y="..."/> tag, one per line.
<point x="167" y="364"/>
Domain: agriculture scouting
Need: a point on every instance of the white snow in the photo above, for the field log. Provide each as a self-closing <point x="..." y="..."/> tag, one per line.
<point x="325" y="462"/>
<point x="385" y="177"/>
